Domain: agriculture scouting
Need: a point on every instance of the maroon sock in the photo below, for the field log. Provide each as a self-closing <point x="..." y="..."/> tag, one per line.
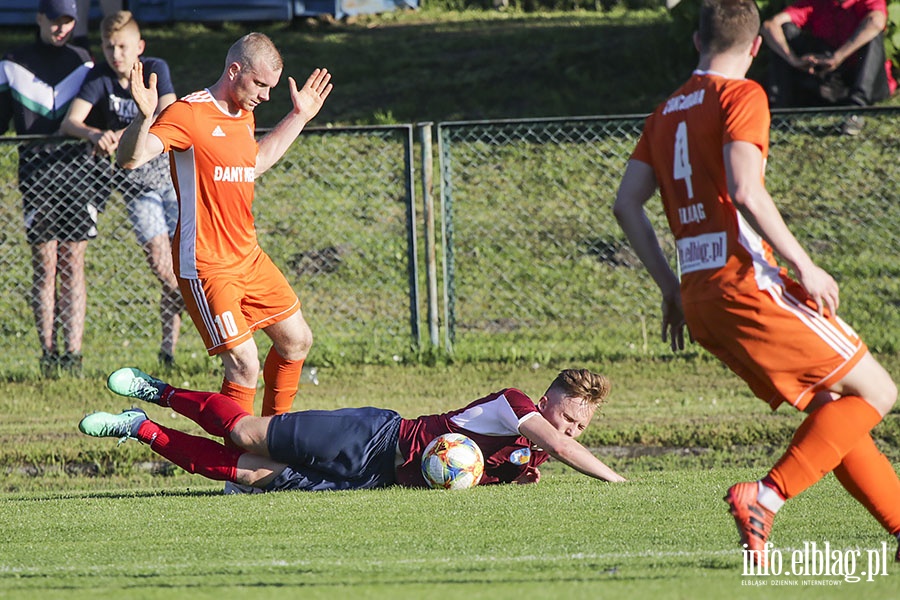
<point x="216" y="413"/>
<point x="192" y="453"/>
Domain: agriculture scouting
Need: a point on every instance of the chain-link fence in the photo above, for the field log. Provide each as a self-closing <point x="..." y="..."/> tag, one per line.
<point x="336" y="214"/>
<point x="536" y="266"/>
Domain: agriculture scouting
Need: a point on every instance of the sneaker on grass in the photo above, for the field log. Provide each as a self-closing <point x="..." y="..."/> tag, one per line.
<point x="134" y="383"/>
<point x="123" y="425"/>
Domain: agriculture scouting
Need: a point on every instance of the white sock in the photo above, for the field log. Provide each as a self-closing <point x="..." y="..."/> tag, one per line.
<point x="769" y="498"/>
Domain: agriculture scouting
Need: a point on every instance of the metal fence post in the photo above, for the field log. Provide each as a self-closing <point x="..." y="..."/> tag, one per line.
<point x="412" y="254"/>
<point x="428" y="210"/>
<point x="446" y="238"/>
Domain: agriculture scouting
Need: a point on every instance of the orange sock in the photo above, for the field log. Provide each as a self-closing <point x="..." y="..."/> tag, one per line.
<point x="821" y="442"/>
<point x="244" y="396"/>
<point x="870" y="478"/>
<point x="282" y="379"/>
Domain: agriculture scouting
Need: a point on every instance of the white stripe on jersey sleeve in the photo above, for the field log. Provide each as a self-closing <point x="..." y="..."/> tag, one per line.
<point x="493" y="418"/>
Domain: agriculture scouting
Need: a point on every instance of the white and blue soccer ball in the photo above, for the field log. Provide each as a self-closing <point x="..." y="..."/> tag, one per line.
<point x="452" y="461"/>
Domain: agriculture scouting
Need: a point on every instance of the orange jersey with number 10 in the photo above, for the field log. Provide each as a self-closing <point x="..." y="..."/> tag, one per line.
<point x="683" y="141"/>
<point x="213" y="158"/>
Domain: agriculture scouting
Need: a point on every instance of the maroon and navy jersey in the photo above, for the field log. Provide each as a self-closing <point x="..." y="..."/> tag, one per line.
<point x="491" y="422"/>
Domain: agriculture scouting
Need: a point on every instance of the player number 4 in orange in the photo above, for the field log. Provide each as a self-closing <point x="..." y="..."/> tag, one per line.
<point x="682" y="167"/>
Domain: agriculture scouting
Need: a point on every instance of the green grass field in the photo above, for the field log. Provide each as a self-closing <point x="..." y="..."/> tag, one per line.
<point x="86" y="518"/>
<point x="663" y="534"/>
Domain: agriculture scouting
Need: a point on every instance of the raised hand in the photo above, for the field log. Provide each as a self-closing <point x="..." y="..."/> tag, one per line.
<point x="146" y="98"/>
<point x="310" y="98"/>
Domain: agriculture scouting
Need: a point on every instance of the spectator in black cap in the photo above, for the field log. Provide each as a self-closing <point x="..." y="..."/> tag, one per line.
<point x="57" y="181"/>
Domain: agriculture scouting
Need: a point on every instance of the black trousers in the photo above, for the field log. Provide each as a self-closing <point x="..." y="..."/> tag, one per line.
<point x="861" y="80"/>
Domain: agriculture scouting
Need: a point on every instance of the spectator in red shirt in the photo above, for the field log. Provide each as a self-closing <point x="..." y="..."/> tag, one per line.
<point x="829" y="52"/>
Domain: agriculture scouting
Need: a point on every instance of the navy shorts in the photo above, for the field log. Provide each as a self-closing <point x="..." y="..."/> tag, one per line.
<point x="345" y="449"/>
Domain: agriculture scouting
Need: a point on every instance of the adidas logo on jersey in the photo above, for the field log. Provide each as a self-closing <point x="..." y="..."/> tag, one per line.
<point x="217" y="132"/>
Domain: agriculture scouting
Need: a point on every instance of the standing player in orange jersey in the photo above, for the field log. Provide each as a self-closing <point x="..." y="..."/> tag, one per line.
<point x="231" y="288"/>
<point x="705" y="149"/>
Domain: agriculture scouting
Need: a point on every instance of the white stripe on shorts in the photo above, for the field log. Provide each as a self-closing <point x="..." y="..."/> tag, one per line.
<point x="819" y="325"/>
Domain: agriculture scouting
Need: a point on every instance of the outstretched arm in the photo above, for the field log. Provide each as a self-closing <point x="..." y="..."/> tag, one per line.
<point x="137" y="146"/>
<point x="743" y="168"/>
<point x="308" y="100"/>
<point x="541" y="433"/>
<point x="637" y="187"/>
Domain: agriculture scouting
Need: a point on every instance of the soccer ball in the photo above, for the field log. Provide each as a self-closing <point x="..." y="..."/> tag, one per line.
<point x="452" y="462"/>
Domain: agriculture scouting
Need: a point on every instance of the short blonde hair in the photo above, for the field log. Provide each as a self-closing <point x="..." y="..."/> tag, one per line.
<point x="591" y="388"/>
<point x="253" y="49"/>
<point x="117" y="22"/>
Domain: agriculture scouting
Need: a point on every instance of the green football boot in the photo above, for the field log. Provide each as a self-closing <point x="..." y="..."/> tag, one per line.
<point x="123" y="425"/>
<point x="134" y="383"/>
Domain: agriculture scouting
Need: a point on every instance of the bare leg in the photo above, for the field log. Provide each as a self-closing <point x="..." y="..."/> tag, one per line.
<point x="242" y="364"/>
<point x="43" y="293"/>
<point x="158" y="251"/>
<point x="72" y="304"/>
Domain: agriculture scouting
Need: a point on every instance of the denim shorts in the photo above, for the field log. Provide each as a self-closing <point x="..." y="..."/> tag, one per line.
<point x="345" y="449"/>
<point x="153" y="212"/>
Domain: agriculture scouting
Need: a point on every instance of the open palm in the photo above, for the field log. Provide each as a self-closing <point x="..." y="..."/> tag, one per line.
<point x="146" y="97"/>
<point x="309" y="99"/>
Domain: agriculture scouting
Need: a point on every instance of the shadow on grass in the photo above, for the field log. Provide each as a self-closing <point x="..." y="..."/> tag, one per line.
<point x="113" y="494"/>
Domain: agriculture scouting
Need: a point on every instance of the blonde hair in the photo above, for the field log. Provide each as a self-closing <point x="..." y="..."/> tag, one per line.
<point x="252" y="49"/>
<point x="118" y="22"/>
<point x="591" y="388"/>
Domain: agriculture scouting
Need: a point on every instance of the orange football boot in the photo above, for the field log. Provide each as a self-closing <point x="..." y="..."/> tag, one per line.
<point x="754" y="521"/>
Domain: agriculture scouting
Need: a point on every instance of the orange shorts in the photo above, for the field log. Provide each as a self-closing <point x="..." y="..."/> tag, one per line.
<point x="776" y="341"/>
<point x="228" y="306"/>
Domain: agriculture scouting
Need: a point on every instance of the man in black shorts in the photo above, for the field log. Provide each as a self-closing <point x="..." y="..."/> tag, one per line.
<point x="59" y="183"/>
